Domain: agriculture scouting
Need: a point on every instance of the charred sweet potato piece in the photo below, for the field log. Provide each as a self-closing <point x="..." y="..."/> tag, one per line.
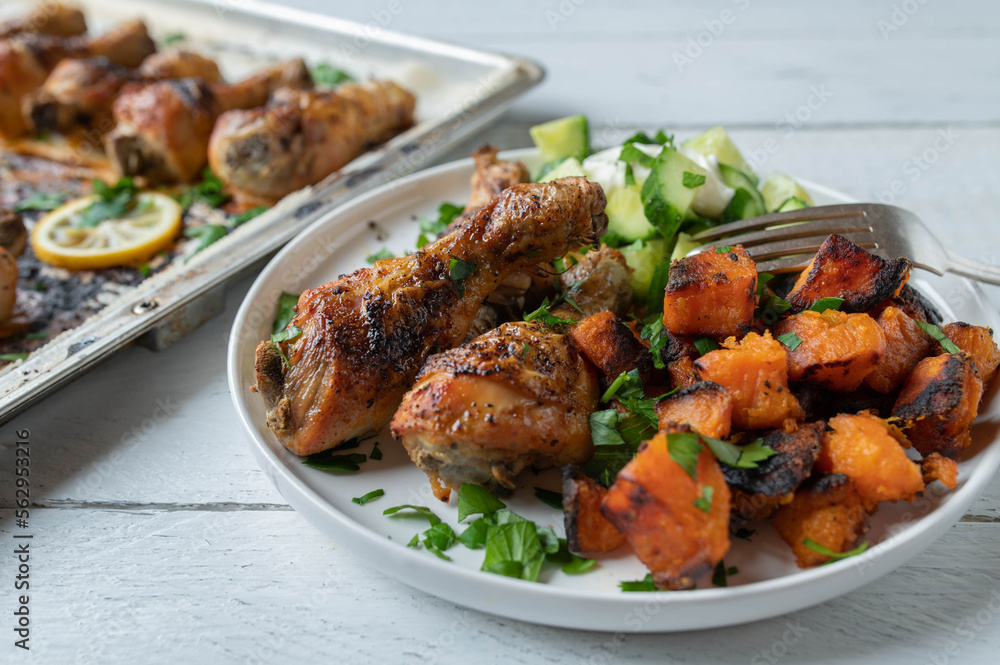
<point x="856" y="401"/>
<point x="978" y="342"/>
<point x="755" y="371"/>
<point x="905" y="345"/>
<point x="682" y="373"/>
<point x="834" y="349"/>
<point x="827" y="510"/>
<point x="863" y="448"/>
<point x="938" y="403"/>
<point x="586" y="528"/>
<point x="610" y="345"/>
<point x="705" y="407"/>
<point x="936" y="467"/>
<point x="913" y="305"/>
<point x="757" y="493"/>
<point x="659" y="508"/>
<point x="841" y="269"/>
<point x="711" y="293"/>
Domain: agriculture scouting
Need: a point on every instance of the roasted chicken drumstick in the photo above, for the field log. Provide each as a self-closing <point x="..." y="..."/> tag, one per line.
<point x="46" y="18"/>
<point x="162" y="129"/>
<point x="302" y="136"/>
<point x="365" y="336"/>
<point x="26" y="60"/>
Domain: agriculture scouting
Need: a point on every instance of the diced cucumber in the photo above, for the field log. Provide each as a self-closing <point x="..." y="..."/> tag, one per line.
<point x="716" y="141"/>
<point x="642" y="257"/>
<point x="777" y="191"/>
<point x="685" y="243"/>
<point x="747" y="202"/>
<point x="570" y="166"/>
<point x="666" y="201"/>
<point x="565" y="137"/>
<point x="626" y="215"/>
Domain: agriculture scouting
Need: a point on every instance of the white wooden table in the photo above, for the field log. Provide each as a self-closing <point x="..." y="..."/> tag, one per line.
<point x="157" y="539"/>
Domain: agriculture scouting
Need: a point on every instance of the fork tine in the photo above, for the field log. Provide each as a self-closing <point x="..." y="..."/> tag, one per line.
<point x="822" y="227"/>
<point x="787" y="264"/>
<point x="844" y="211"/>
<point x="808" y="245"/>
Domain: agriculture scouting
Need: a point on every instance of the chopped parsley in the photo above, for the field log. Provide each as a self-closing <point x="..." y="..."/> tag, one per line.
<point x="735" y="456"/>
<point x="246" y="216"/>
<point x="645" y="584"/>
<point x="327" y="461"/>
<point x="549" y="498"/>
<point x="657" y="337"/>
<point x="791" y="340"/>
<point x="422" y="511"/>
<point x="704" y="502"/>
<point x="380" y="255"/>
<point x="325" y="75"/>
<point x="112" y="201"/>
<point x="939" y="335"/>
<point x="37" y="335"/>
<point x="684" y="448"/>
<point x="692" y="180"/>
<point x="13" y="357"/>
<point x="657" y="291"/>
<point x="769" y="306"/>
<point x="458" y="270"/>
<point x="724" y="250"/>
<point x="209" y="190"/>
<point x="286" y="335"/>
<point x="370" y="496"/>
<point x="432" y="228"/>
<point x="206" y="235"/>
<point x="722" y="573"/>
<point x="631" y="154"/>
<point x="173" y="38"/>
<point x="545" y="315"/>
<point x="376" y="453"/>
<point x="40" y="201"/>
<point x="286" y="310"/>
<point x="475" y="500"/>
<point x="705" y="345"/>
<point x="834" y="556"/>
<point x="824" y="304"/>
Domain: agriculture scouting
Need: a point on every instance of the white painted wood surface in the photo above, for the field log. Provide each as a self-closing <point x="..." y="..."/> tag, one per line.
<point x="159" y="541"/>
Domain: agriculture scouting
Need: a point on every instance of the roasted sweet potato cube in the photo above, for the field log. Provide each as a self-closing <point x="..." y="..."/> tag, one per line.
<point x="711" y="293"/>
<point x="705" y="407"/>
<point x="841" y="269"/>
<point x="835" y="349"/>
<point x="755" y="371"/>
<point x="913" y="305"/>
<point x="937" y="467"/>
<point x="610" y="345"/>
<point x="757" y="493"/>
<point x="978" y="342"/>
<point x="864" y="448"/>
<point x="661" y="510"/>
<point x="827" y="510"/>
<point x="905" y="345"/>
<point x="938" y="403"/>
<point x="586" y="528"/>
<point x="682" y="373"/>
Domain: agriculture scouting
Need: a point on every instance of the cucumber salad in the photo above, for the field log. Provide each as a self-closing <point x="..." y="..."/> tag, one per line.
<point x="660" y="193"/>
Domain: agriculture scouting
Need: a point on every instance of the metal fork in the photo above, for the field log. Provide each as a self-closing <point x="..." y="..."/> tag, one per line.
<point x="786" y="241"/>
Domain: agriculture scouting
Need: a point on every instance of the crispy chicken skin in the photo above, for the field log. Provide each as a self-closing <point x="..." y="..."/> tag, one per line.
<point x="519" y="396"/>
<point x="302" y="136"/>
<point x="366" y="335"/>
<point x="162" y="129"/>
<point x="26" y="60"/>
<point x="82" y="91"/>
<point x="46" y="18"/>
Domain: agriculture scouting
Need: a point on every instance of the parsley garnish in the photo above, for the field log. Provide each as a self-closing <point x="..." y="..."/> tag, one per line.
<point x="549" y="498"/>
<point x="735" y="456"/>
<point x="380" y="255"/>
<point x="549" y="319"/>
<point x="719" y="577"/>
<point x="432" y="228"/>
<point x="939" y="335"/>
<point x="769" y="304"/>
<point x="327" y="461"/>
<point x="705" y="345"/>
<point x="692" y="180"/>
<point x="704" y="502"/>
<point x="834" y="556"/>
<point x="370" y="496"/>
<point x="458" y="271"/>
<point x="286" y="310"/>
<point x="37" y="335"/>
<point x="603" y="430"/>
<point x="791" y="340"/>
<point x="376" y="453"/>
<point x="423" y="511"/>
<point x="474" y="500"/>
<point x="571" y="563"/>
<point x="209" y="190"/>
<point x="325" y="75"/>
<point x="632" y="154"/>
<point x="684" y="448"/>
<point x="173" y="38"/>
<point x="658" y="338"/>
<point x="112" y="201"/>
<point x="244" y="217"/>
<point x="286" y="335"/>
<point x="12" y="357"/>
<point x="206" y="235"/>
<point x="824" y="304"/>
<point x="515" y="549"/>
<point x="40" y="201"/>
<point x="724" y="250"/>
<point x="645" y="584"/>
<point x="657" y="290"/>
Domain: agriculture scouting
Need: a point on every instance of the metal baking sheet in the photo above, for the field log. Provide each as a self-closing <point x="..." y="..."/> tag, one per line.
<point x="458" y="90"/>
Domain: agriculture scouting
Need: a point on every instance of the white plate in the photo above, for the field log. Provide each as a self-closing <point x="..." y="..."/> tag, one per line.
<point x="768" y="583"/>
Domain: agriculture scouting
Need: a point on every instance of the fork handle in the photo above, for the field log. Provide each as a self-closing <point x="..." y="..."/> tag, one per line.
<point x="972" y="269"/>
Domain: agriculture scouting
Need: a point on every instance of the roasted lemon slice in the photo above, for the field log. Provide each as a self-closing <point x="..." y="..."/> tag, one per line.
<point x="60" y="239"/>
